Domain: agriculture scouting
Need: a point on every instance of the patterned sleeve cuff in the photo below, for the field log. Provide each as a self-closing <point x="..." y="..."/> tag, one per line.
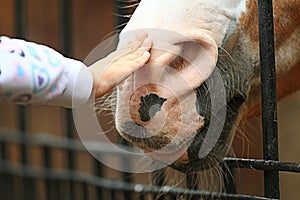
<point x="79" y="86"/>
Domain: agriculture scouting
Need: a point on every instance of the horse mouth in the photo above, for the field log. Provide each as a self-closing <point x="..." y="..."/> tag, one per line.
<point x="161" y="147"/>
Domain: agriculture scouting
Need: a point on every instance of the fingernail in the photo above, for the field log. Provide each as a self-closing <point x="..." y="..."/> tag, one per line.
<point x="146" y="54"/>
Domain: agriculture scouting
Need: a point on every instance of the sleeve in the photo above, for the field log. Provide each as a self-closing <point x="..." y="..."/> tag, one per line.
<point x="36" y="74"/>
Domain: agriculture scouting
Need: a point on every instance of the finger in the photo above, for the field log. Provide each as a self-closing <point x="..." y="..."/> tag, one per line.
<point x="133" y="65"/>
<point x="138" y="41"/>
<point x="142" y="59"/>
<point x="138" y="62"/>
<point x="135" y="54"/>
<point x="145" y="47"/>
<point x="147" y="44"/>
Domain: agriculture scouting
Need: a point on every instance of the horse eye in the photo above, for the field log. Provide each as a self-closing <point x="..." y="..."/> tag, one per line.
<point x="178" y="63"/>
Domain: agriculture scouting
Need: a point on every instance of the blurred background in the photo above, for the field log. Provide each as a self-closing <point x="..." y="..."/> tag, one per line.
<point x="74" y="28"/>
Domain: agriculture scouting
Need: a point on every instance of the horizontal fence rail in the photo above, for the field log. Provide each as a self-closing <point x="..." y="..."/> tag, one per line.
<point x="62" y="175"/>
<point x="43" y="140"/>
<point x="139" y="189"/>
<point x="263" y="164"/>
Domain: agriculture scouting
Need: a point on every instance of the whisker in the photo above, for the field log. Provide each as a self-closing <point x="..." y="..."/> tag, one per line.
<point x="128" y="6"/>
<point x="110" y="130"/>
<point x="111" y="34"/>
<point x="228" y="54"/>
<point x="122" y="15"/>
<point x="119" y="27"/>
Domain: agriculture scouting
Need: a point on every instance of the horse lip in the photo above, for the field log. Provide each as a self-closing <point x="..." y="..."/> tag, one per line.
<point x="147" y="138"/>
<point x="139" y="134"/>
<point x="134" y="130"/>
<point x="166" y="153"/>
<point x="173" y="157"/>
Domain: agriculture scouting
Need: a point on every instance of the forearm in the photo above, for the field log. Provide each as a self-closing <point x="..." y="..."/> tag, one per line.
<point x="36" y="74"/>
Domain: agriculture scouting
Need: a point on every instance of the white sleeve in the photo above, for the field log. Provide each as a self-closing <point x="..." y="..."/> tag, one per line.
<point x="36" y="74"/>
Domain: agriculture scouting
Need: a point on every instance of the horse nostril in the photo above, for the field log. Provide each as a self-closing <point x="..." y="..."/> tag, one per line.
<point x="149" y="106"/>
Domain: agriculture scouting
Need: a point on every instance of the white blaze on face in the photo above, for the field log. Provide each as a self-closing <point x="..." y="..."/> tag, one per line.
<point x="189" y="18"/>
<point x="189" y="29"/>
<point x="205" y="22"/>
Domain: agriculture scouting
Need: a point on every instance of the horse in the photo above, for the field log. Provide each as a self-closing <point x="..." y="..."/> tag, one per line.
<point x="165" y="108"/>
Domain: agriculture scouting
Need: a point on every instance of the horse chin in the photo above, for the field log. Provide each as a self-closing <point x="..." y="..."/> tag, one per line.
<point x="176" y="155"/>
<point x="201" y="164"/>
<point x="196" y="162"/>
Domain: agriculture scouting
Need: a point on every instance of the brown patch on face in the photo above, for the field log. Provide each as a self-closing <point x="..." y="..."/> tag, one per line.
<point x="286" y="20"/>
<point x="286" y="84"/>
<point x="287" y="26"/>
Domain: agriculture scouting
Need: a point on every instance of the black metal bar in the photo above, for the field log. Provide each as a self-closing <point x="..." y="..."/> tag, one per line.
<point x="47" y="160"/>
<point x="125" y="175"/>
<point x="263" y="164"/>
<point x="229" y="173"/>
<point x="66" y="26"/>
<point x="50" y="190"/>
<point x="98" y="168"/>
<point x="268" y="90"/>
<point x="70" y="153"/>
<point x="7" y="186"/>
<point x="141" y="197"/>
<point x="20" y="20"/>
<point x="66" y="46"/>
<point x="85" y="191"/>
<point x="6" y="181"/>
<point x="112" y="194"/>
<point x="28" y="185"/>
<point x="59" y="190"/>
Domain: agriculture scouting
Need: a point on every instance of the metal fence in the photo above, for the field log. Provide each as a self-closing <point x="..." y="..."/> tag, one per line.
<point x="21" y="180"/>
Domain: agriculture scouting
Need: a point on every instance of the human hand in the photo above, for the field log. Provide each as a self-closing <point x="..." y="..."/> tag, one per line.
<point x="117" y="66"/>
